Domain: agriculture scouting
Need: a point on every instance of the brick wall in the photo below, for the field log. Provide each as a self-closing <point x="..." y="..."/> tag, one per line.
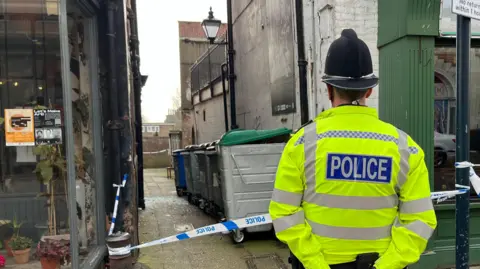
<point x="155" y="143"/>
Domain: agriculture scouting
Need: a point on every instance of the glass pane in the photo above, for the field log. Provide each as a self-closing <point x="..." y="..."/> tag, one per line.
<point x="80" y="74"/>
<point x="32" y="189"/>
<point x="445" y="115"/>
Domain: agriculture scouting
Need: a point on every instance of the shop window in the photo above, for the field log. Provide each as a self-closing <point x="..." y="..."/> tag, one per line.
<point x="34" y="192"/>
<point x="30" y="76"/>
<point x="445" y="115"/>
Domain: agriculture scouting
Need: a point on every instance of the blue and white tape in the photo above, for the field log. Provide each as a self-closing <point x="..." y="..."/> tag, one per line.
<point x="221" y="227"/>
<point x="253" y="221"/>
<point x="117" y="199"/>
<point x="237" y="224"/>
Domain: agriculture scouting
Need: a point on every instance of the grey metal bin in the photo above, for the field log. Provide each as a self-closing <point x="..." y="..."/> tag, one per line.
<point x="192" y="173"/>
<point x="214" y="185"/>
<point x="200" y="185"/>
<point x="248" y="163"/>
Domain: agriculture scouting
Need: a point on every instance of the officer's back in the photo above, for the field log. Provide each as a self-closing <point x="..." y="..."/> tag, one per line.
<point x="351" y="190"/>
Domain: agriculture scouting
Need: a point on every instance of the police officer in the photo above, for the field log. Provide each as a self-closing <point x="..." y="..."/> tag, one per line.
<point x="352" y="191"/>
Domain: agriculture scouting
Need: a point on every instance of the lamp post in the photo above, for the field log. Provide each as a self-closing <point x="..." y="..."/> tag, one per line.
<point x="211" y="26"/>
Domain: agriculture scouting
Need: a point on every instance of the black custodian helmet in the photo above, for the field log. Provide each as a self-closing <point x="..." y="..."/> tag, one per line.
<point x="349" y="64"/>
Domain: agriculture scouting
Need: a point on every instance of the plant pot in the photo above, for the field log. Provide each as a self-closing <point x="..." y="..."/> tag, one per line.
<point x="7" y="247"/>
<point x="21" y="256"/>
<point x="49" y="263"/>
<point x="41" y="229"/>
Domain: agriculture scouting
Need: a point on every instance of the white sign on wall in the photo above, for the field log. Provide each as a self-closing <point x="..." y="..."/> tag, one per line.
<point x="467" y="8"/>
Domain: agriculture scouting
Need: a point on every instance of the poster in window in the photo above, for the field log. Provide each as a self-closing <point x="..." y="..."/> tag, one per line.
<point x="19" y="127"/>
<point x="48" y="126"/>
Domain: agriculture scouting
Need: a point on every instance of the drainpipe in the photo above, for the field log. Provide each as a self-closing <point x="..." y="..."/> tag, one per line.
<point x="135" y="52"/>
<point x="302" y="63"/>
<point x="315" y="64"/>
<point x="231" y="67"/>
<point x="124" y="119"/>
<point x="113" y="94"/>
<point x="225" y="107"/>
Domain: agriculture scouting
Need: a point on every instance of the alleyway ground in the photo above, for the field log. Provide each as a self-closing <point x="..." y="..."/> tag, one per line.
<point x="166" y="214"/>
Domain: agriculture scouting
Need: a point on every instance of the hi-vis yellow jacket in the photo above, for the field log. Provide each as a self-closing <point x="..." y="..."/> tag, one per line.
<point x="348" y="184"/>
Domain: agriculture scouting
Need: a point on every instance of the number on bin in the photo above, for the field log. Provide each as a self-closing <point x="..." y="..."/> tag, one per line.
<point x="253" y="220"/>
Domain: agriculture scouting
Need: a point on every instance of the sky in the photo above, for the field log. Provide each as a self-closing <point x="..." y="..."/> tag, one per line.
<point x="159" y="55"/>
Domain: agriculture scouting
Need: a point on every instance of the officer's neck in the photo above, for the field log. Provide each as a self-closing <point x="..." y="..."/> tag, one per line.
<point x="341" y="102"/>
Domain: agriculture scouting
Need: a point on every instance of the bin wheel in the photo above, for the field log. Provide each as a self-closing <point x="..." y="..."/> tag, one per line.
<point x="179" y="192"/>
<point x="189" y="198"/>
<point x="201" y="204"/>
<point x="238" y="236"/>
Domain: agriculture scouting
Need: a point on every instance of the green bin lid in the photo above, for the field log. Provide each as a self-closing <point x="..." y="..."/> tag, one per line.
<point x="239" y="136"/>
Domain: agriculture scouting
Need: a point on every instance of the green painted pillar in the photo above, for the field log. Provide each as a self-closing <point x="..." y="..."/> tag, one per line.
<point x="406" y="43"/>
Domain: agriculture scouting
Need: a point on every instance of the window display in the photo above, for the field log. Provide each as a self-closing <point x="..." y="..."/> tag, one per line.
<point x="445" y="115"/>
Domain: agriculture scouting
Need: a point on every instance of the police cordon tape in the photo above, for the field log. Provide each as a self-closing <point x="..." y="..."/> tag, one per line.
<point x="117" y="198"/>
<point x="221" y="227"/>
<point x="253" y="221"/>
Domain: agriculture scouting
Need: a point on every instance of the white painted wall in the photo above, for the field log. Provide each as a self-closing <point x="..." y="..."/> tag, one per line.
<point x="212" y="127"/>
<point x="324" y="20"/>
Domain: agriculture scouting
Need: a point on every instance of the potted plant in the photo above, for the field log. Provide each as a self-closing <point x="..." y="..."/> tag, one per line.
<point x="3" y="261"/>
<point x="10" y="230"/>
<point x="53" y="253"/>
<point x="21" y="248"/>
<point x="6" y="233"/>
<point x="50" y="171"/>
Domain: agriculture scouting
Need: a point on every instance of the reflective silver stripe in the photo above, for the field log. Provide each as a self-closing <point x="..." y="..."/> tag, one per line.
<point x="418" y="227"/>
<point x="404" y="157"/>
<point x="310" y="146"/>
<point x="416" y="206"/>
<point x="285" y="197"/>
<point x="283" y="223"/>
<point x="350" y="233"/>
<point x="353" y="202"/>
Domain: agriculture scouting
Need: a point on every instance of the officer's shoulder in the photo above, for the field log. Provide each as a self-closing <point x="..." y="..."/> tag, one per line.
<point x="303" y="126"/>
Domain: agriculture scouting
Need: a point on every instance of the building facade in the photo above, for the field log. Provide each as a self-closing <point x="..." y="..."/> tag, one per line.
<point x="412" y="44"/>
<point x="159" y="129"/>
<point x="56" y="176"/>
<point x="192" y="44"/>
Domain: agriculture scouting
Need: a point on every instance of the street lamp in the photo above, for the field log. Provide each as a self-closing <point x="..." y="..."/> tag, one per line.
<point x="211" y="26"/>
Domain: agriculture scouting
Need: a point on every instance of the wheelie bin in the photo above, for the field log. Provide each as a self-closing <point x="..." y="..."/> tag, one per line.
<point x="179" y="167"/>
<point x="214" y="184"/>
<point x="200" y="185"/>
<point x="192" y="174"/>
<point x="248" y="163"/>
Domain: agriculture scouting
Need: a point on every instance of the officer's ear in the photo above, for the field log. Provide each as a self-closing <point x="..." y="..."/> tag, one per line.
<point x="369" y="92"/>
<point x="330" y="92"/>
